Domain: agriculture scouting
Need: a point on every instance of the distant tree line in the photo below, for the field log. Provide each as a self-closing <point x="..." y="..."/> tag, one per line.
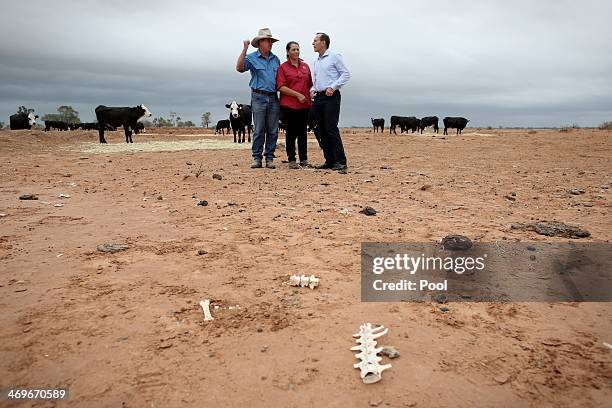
<point x="66" y="113"/>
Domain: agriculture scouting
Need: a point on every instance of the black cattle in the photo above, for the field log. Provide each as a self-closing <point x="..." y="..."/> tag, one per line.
<point x="57" y="124"/>
<point x="311" y="124"/>
<point x="21" y="121"/>
<point x="222" y="126"/>
<point x="454" y="123"/>
<point x="429" y="121"/>
<point x="404" y="123"/>
<point x="378" y="123"/>
<point x="240" y="118"/>
<point x="87" y="126"/>
<point x="114" y="117"/>
<point x="139" y="127"/>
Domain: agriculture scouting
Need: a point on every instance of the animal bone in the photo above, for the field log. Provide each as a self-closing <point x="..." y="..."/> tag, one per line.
<point x="206" y="308"/>
<point x="303" y="281"/>
<point x="370" y="369"/>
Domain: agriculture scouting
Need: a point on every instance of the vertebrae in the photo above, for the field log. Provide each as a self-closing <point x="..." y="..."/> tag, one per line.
<point x="371" y="370"/>
<point x="303" y="281"/>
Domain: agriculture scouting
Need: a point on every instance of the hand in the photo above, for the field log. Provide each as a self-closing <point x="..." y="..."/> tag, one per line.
<point x="301" y="98"/>
<point x="329" y="92"/>
<point x="246" y="44"/>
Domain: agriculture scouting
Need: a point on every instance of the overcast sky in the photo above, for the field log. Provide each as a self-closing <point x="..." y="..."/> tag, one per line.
<point x="509" y="63"/>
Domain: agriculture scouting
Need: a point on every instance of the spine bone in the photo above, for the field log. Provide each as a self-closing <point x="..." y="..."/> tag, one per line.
<point x="370" y="369"/>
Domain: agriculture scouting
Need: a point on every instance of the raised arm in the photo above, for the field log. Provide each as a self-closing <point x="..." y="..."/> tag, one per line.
<point x="242" y="56"/>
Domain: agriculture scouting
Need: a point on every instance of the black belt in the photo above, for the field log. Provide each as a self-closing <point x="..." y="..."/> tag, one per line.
<point x="324" y="93"/>
<point x="263" y="92"/>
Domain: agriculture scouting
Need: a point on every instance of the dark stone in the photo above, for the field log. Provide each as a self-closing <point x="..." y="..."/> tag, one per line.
<point x="367" y="210"/>
<point x="202" y="251"/>
<point x="203" y="203"/>
<point x="531" y="248"/>
<point x="441" y="298"/>
<point x="28" y="197"/>
<point x="217" y="176"/>
<point x="444" y="309"/>
<point x="456" y="242"/>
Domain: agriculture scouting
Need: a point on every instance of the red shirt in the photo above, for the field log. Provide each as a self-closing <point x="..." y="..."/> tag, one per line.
<point x="297" y="79"/>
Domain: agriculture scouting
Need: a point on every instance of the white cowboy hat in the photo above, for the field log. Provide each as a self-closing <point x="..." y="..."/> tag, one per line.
<point x="263" y="33"/>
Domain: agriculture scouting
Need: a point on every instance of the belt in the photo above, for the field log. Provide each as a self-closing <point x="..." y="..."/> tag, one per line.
<point x="323" y="93"/>
<point x="259" y="91"/>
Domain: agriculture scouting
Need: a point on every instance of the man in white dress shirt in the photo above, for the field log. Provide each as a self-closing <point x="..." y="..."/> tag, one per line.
<point x="330" y="74"/>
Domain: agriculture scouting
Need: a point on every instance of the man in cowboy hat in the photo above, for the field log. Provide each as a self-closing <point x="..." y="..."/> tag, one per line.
<point x="263" y="65"/>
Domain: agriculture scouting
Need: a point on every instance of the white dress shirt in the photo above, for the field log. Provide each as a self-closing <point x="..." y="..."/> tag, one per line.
<point x="330" y="72"/>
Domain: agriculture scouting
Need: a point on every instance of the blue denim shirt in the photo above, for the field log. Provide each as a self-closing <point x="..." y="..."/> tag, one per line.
<point x="263" y="71"/>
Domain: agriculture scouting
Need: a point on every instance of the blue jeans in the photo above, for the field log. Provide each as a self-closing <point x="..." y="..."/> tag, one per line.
<point x="265" y="124"/>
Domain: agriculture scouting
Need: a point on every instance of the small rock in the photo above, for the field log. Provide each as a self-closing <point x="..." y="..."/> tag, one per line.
<point x="575" y="191"/>
<point x="531" y="248"/>
<point x="203" y="203"/>
<point x="374" y="402"/>
<point x="510" y="198"/>
<point x="501" y="378"/>
<point x="28" y="197"/>
<point x="553" y="229"/>
<point x="425" y="187"/>
<point x="390" y="352"/>
<point x="202" y="251"/>
<point x="441" y="298"/>
<point x="444" y="309"/>
<point x="367" y="210"/>
<point x="456" y="242"/>
<point x="159" y="197"/>
<point x="112" y="248"/>
<point x="212" y="354"/>
<point x="217" y="176"/>
<point x="264" y="349"/>
<point x="532" y="257"/>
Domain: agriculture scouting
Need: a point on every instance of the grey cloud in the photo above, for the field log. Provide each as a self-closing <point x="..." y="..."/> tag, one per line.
<point x="518" y="63"/>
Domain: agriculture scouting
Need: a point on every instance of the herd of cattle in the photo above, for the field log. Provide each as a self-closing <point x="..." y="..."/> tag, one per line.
<point x="414" y="124"/>
<point x="109" y="118"/>
<point x="240" y="122"/>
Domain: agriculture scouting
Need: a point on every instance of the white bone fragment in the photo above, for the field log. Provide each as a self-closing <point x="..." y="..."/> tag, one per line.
<point x="206" y="308"/>
<point x="311" y="281"/>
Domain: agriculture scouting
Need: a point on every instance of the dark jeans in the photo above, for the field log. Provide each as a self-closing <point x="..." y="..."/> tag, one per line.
<point x="327" y="111"/>
<point x="296" y="129"/>
<point x="265" y="119"/>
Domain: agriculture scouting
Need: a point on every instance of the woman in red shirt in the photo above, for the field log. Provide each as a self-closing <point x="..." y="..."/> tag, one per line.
<point x="293" y="80"/>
